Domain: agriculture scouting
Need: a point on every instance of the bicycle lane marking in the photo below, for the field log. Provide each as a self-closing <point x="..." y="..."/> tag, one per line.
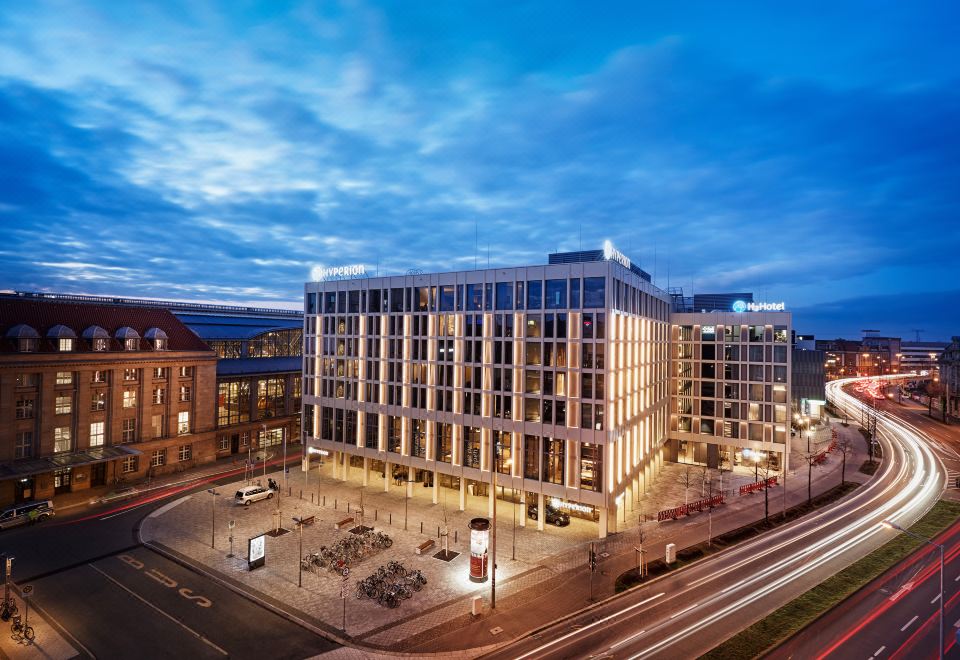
<point x="157" y="609"/>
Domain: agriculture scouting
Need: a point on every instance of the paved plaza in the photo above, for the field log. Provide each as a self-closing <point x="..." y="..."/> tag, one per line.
<point x="544" y="560"/>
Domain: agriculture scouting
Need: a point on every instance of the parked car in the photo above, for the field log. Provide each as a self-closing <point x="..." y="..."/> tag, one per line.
<point x="249" y="494"/>
<point x="554" y="515"/>
<point x="26" y="512"/>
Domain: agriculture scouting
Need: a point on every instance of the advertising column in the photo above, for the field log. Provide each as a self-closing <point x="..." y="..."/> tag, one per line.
<point x="479" y="544"/>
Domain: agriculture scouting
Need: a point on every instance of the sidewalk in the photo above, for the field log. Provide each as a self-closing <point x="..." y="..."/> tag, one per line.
<point x="438" y="618"/>
<point x="48" y="643"/>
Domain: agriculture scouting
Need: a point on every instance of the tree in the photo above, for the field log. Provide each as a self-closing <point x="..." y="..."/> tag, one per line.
<point x="811" y="460"/>
<point x="641" y="536"/>
<point x="686" y="478"/>
<point x="766" y="490"/>
<point x="704" y="472"/>
<point x="844" y="446"/>
<point x="721" y="469"/>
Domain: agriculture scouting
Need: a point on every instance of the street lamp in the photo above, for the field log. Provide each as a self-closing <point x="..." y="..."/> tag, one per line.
<point x="513" y="538"/>
<point x="892" y="525"/>
<point x="299" y="521"/>
<point x="213" y="514"/>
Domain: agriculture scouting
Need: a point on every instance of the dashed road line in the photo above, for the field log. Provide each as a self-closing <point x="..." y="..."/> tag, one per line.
<point x="909" y="622"/>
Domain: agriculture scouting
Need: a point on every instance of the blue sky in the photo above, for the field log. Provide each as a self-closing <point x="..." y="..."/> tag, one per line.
<point x="221" y="150"/>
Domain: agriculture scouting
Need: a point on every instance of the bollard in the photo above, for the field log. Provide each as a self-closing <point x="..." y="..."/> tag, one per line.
<point x="324" y="500"/>
<point x="301" y="493"/>
<point x="391" y="518"/>
<point x="348" y="507"/>
<point x="311" y="498"/>
<point x="455" y="532"/>
<point x="289" y="491"/>
<point x="334" y="504"/>
<point x="374" y="515"/>
<point x="438" y="531"/>
<point x="421" y="527"/>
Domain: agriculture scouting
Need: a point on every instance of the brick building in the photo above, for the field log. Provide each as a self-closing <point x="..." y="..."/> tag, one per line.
<point x="91" y="393"/>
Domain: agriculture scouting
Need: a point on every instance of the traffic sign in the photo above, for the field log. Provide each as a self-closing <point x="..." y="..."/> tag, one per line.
<point x="26" y="591"/>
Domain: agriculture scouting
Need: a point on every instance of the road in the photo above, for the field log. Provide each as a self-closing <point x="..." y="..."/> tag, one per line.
<point x="896" y="615"/>
<point x="687" y="613"/>
<point x="114" y="598"/>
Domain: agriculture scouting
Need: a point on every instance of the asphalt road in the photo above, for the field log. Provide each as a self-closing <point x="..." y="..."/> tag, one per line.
<point x="118" y="599"/>
<point x="688" y="613"/>
<point x="896" y="615"/>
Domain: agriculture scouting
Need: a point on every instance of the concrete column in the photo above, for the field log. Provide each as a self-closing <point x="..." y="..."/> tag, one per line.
<point x="541" y="511"/>
<point x="602" y="523"/>
<point x="628" y="496"/>
<point x="366" y="471"/>
<point x="387" y="476"/>
<point x="345" y="465"/>
<point x="336" y="465"/>
<point x="463" y="494"/>
<point x="410" y="473"/>
<point x="436" y="487"/>
<point x="305" y="463"/>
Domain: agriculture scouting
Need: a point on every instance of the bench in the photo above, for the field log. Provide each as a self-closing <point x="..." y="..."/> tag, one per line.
<point x="426" y="545"/>
<point x="309" y="520"/>
<point x="343" y="523"/>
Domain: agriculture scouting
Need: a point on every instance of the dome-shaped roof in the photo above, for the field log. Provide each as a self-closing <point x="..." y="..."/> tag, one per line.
<point x="127" y="332"/>
<point x="22" y="331"/>
<point x="61" y="332"/>
<point x="95" y="332"/>
<point x="155" y="333"/>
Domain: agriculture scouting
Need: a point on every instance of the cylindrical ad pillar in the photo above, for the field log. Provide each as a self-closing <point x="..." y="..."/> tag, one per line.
<point x="479" y="544"/>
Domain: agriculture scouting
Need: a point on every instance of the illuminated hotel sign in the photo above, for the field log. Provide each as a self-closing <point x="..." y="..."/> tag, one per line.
<point x="338" y="272"/>
<point x="741" y="306"/>
<point x="611" y="253"/>
<point x="570" y="506"/>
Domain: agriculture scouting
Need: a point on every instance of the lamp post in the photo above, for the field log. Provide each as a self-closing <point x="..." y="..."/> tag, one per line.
<point x="213" y="514"/>
<point x="493" y="531"/>
<point x="892" y="525"/>
<point x="284" y="431"/>
<point x="263" y="447"/>
<point x="513" y="538"/>
<point x="299" y="521"/>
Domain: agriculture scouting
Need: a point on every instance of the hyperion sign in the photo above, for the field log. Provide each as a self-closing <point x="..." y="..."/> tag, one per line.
<point x="256" y="552"/>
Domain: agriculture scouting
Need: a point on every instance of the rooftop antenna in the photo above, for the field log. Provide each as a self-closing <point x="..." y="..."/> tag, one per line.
<point x="476" y="242"/>
<point x="581" y="237"/>
<point x="488" y="255"/>
<point x="917" y="332"/>
<point x="654" y="263"/>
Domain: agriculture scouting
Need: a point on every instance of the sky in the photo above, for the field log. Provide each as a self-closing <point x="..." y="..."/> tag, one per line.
<point x="219" y="151"/>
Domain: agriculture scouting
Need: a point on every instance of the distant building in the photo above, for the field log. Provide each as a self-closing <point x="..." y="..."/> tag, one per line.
<point x="871" y="356"/>
<point x="247" y="396"/>
<point x="949" y="364"/>
<point x="921" y="355"/>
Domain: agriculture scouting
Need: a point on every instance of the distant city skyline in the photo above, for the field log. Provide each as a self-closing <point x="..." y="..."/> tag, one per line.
<point x="205" y="151"/>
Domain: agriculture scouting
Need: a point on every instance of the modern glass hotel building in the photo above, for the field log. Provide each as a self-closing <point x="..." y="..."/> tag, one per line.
<point x="556" y="377"/>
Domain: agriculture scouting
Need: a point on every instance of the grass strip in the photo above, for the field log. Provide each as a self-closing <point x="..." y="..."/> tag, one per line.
<point x="801" y="611"/>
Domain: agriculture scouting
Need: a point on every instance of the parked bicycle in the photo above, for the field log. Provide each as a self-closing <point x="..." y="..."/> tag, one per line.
<point x="8" y="609"/>
<point x="21" y="630"/>
<point x="391" y="584"/>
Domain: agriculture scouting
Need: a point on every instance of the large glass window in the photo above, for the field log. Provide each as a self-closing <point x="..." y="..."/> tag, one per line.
<point x="575" y="293"/>
<point x="418" y="438"/>
<point x="504" y="451"/>
<point x="531" y="457"/>
<point x="556" y="294"/>
<point x="183" y="422"/>
<point x="594" y="292"/>
<point x="591" y="467"/>
<point x="97" y="434"/>
<point x="474" y="297"/>
<point x="394" y="437"/>
<point x="471" y="446"/>
<point x="444" y="439"/>
<point x="553" y="451"/>
<point x="61" y="439"/>
<point x="372" y="431"/>
<point x="504" y="295"/>
<point x="270" y="397"/>
<point x="446" y="298"/>
<point x="534" y="294"/>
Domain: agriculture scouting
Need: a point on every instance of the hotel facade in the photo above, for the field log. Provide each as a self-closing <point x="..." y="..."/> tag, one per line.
<point x="553" y="380"/>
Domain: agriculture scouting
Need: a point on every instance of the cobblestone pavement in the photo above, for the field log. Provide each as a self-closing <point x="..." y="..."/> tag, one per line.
<point x="185" y="526"/>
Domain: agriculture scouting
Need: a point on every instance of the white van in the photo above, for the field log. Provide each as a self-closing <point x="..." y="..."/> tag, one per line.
<point x="249" y="494"/>
<point x="22" y="514"/>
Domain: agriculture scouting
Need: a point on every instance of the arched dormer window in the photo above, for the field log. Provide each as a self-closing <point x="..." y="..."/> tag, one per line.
<point x="158" y="337"/>
<point x="98" y="338"/>
<point x="63" y="338"/>
<point x="128" y="338"/>
<point x="24" y="337"/>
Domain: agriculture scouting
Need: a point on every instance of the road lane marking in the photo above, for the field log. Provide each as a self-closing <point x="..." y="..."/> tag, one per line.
<point x="628" y="639"/>
<point x="120" y="513"/>
<point x="674" y="616"/>
<point x="879" y="651"/>
<point x="957" y="579"/>
<point x="169" y="616"/>
<point x="909" y="622"/>
<point x="603" y="620"/>
<point x="957" y="624"/>
<point x="935" y="599"/>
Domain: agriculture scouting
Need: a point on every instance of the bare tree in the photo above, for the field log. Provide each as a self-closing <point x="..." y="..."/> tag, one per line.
<point x="704" y="473"/>
<point x="811" y="459"/>
<point x="641" y="536"/>
<point x="766" y="472"/>
<point x="686" y="478"/>
<point x="721" y="469"/>
<point x="844" y="446"/>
